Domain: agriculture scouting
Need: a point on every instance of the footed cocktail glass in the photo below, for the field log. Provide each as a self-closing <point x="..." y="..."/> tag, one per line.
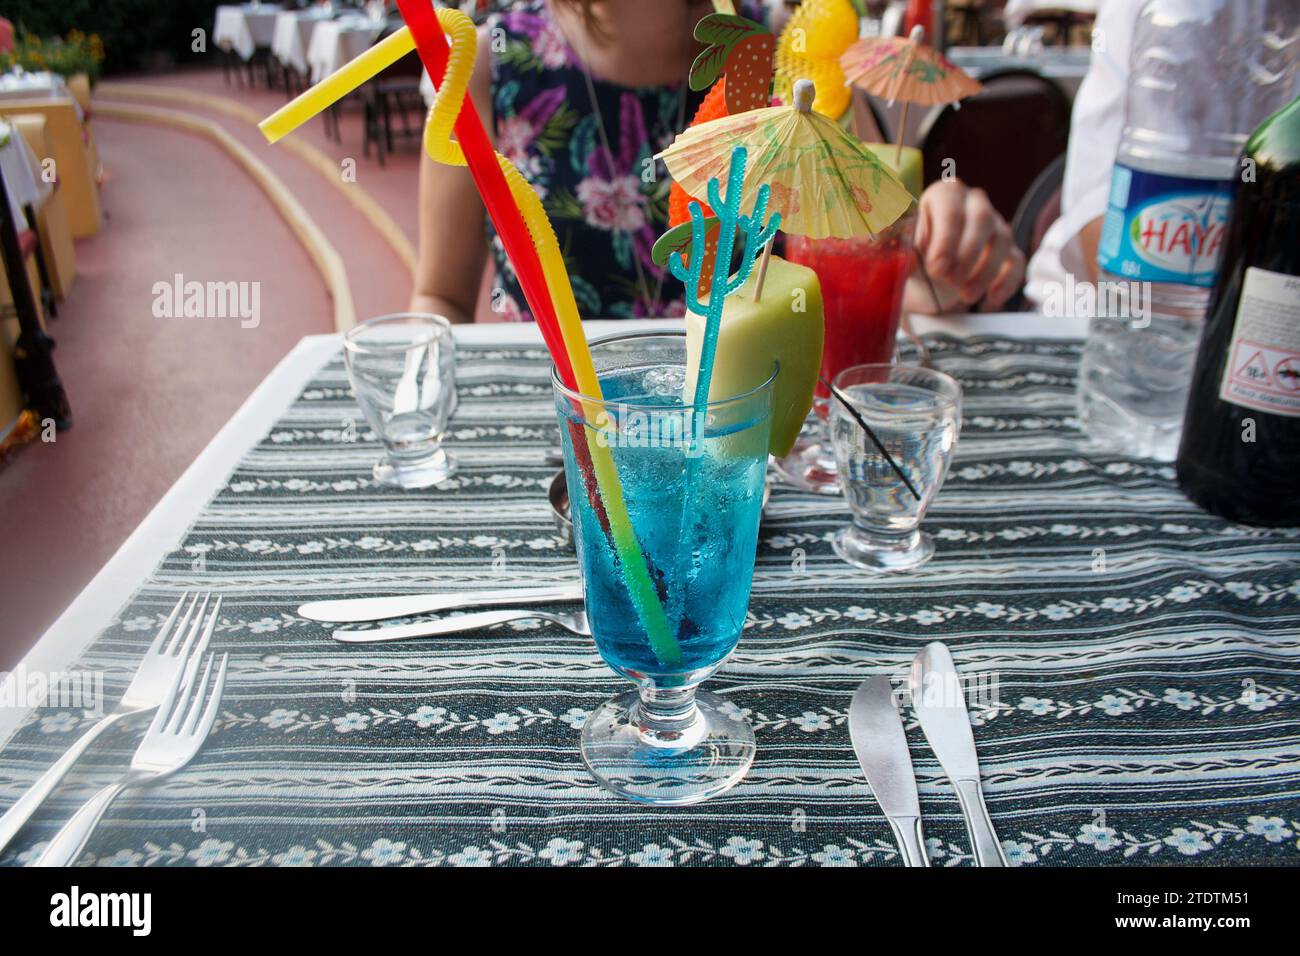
<point x="915" y="413"/>
<point x="403" y="372"/>
<point x="693" y="503"/>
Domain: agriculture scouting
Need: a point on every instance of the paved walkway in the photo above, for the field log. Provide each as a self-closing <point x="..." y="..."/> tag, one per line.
<point x="148" y="393"/>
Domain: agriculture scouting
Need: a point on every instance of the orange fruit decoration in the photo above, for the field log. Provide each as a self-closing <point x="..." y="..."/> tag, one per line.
<point x="739" y="55"/>
<point x="713" y="107"/>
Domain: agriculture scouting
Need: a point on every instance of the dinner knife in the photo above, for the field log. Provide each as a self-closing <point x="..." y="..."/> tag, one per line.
<point x="353" y="610"/>
<point x="876" y="730"/>
<point x="940" y="705"/>
<point x="462" y="623"/>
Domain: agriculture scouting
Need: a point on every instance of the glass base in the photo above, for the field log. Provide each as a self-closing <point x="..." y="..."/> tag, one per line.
<point x="698" y="750"/>
<point x="810" y="465"/>
<point x="883" y="553"/>
<point x="1113" y="432"/>
<point x="420" y="474"/>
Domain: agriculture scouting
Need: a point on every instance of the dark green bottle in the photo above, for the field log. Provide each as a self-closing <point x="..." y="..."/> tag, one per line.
<point x="1240" y="451"/>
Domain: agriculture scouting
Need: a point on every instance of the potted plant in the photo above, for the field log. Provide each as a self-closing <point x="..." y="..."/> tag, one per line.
<point x="76" y="57"/>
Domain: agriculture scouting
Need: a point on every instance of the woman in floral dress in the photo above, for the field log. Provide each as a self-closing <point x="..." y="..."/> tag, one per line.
<point x="539" y="67"/>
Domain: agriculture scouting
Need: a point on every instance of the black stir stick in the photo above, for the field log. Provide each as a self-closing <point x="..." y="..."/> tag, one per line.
<point x="848" y="406"/>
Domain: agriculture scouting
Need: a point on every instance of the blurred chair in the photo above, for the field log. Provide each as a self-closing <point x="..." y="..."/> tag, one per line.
<point x="1001" y="139"/>
<point x="32" y="260"/>
<point x="24" y="326"/>
<point x="231" y="65"/>
<point x="330" y="117"/>
<point x="394" y="90"/>
<point x="264" y="60"/>
<point x="51" y="217"/>
<point x="1040" y="207"/>
<point x="294" y="82"/>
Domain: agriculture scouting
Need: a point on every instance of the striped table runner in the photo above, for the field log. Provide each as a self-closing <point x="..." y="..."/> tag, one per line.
<point x="1136" y="662"/>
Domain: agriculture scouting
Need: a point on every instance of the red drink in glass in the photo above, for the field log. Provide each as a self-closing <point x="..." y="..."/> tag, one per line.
<point x="862" y="282"/>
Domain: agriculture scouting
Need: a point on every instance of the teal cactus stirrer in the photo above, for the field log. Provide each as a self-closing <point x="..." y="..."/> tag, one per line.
<point x="757" y="235"/>
<point x="720" y="286"/>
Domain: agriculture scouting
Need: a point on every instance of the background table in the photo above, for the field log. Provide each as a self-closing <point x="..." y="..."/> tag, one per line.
<point x="22" y="173"/>
<point x="335" y="42"/>
<point x="1068" y="66"/>
<point x="41" y="86"/>
<point x="244" y="28"/>
<point x="52" y="219"/>
<point x="1147" y="697"/>
<point x="72" y="145"/>
<point x="1016" y="11"/>
<point x="292" y="34"/>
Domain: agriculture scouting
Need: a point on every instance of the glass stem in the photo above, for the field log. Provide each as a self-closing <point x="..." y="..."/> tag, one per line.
<point x="668" y="717"/>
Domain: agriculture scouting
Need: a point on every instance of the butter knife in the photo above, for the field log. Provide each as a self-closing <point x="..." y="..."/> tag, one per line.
<point x="353" y="610"/>
<point x="940" y="705"/>
<point x="876" y="730"/>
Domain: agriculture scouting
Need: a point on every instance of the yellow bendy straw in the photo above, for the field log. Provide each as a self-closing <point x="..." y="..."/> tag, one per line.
<point x="448" y="103"/>
<point x="337" y="85"/>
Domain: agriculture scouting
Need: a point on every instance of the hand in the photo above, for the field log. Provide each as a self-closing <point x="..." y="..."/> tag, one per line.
<point x="967" y="248"/>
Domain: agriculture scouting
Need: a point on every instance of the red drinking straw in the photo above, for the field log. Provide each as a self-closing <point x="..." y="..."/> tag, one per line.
<point x="431" y="44"/>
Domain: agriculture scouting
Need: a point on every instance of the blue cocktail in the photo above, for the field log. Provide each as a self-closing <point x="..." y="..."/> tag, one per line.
<point x="693" y="493"/>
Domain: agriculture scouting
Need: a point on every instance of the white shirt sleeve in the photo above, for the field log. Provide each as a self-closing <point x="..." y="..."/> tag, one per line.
<point x="1095" y="127"/>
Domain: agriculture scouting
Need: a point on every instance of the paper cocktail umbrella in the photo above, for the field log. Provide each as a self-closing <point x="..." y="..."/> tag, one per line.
<point x="822" y="180"/>
<point x="803" y="169"/>
<point x="904" y="68"/>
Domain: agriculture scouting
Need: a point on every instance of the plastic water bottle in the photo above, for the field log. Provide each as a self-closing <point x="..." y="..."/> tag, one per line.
<point x="1203" y="74"/>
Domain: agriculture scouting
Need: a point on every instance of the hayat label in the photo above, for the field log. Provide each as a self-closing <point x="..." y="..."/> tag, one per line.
<point x="1263" y="370"/>
<point x="1162" y="228"/>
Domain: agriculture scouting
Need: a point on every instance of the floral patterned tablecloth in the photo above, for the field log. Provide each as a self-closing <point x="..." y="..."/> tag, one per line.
<point x="1136" y="661"/>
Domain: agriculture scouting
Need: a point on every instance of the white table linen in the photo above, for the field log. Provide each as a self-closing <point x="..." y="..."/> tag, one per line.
<point x="244" y="28"/>
<point x="335" y="42"/>
<point x="292" y="34"/>
<point x="166" y="524"/>
<point x="22" y="173"/>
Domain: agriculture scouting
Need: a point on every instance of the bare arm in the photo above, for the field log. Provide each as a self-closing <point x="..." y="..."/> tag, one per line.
<point x="453" y="240"/>
<point x="1089" y="240"/>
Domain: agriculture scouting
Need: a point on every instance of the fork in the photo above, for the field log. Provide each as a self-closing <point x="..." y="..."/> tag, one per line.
<point x="575" y="623"/>
<point x="177" y="732"/>
<point x="161" y="668"/>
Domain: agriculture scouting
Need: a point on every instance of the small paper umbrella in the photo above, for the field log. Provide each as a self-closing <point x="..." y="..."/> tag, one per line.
<point x="823" y="181"/>
<point x="898" y="68"/>
<point x="906" y="69"/>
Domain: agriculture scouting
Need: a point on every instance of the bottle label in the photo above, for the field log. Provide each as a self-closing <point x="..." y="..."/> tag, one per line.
<point x="1263" y="370"/>
<point x="1161" y="228"/>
